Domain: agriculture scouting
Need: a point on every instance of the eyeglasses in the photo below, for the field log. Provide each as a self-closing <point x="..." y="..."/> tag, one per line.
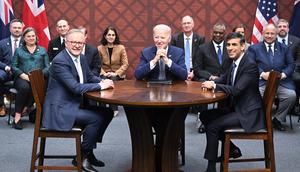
<point x="74" y="43"/>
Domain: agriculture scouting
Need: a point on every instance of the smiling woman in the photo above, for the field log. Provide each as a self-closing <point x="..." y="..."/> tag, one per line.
<point x="26" y="58"/>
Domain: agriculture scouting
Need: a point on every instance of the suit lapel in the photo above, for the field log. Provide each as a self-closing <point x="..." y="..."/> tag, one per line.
<point x="180" y="41"/>
<point x="213" y="53"/>
<point x="73" y="68"/>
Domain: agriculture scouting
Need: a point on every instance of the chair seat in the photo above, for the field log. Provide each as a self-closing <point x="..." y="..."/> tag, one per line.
<point x="75" y="129"/>
<point x="241" y="130"/>
<point x="13" y="91"/>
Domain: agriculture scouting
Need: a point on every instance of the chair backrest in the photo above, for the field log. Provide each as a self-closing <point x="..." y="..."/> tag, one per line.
<point x="38" y="87"/>
<point x="269" y="96"/>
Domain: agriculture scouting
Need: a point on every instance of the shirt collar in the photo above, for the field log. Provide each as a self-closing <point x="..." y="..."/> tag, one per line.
<point x="281" y="38"/>
<point x="237" y="62"/>
<point x="73" y="57"/>
<point x="267" y="45"/>
<point x="191" y="36"/>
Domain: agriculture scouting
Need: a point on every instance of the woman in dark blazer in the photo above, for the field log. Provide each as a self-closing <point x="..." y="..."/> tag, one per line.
<point x="26" y="58"/>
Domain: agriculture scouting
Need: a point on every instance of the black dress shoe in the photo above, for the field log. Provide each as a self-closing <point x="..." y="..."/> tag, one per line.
<point x="201" y="129"/>
<point x="18" y="125"/>
<point x="277" y="125"/>
<point x="94" y="161"/>
<point x="87" y="166"/>
<point x="235" y="153"/>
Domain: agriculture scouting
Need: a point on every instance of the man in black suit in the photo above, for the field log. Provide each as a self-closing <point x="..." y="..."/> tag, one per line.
<point x="212" y="58"/>
<point x="245" y="108"/>
<point x="293" y="43"/>
<point x="57" y="44"/>
<point x="188" y="37"/>
<point x="92" y="55"/>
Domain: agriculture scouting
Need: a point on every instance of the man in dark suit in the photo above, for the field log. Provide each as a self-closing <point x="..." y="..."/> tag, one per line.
<point x="212" y="57"/>
<point x="69" y="78"/>
<point x="92" y="54"/>
<point x="293" y="43"/>
<point x="245" y="103"/>
<point x="7" y="48"/>
<point x="272" y="55"/>
<point x="57" y="44"/>
<point x="190" y="38"/>
<point x="161" y="62"/>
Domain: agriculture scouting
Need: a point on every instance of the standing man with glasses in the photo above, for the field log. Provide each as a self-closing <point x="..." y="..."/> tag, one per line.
<point x="245" y="106"/>
<point x="271" y="55"/>
<point x="7" y="49"/>
<point x="57" y="44"/>
<point x="70" y="77"/>
<point x="189" y="41"/>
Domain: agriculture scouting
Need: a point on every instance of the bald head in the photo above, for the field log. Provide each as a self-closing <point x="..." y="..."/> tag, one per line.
<point x="270" y="33"/>
<point x="62" y="27"/>
<point x="187" y="24"/>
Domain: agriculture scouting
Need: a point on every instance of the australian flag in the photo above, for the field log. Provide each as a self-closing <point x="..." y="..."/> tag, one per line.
<point x="7" y="15"/>
<point x="295" y="20"/>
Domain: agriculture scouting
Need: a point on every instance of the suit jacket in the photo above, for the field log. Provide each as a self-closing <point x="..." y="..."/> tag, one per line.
<point x="64" y="91"/>
<point x="178" y="41"/>
<point x="177" y="71"/>
<point x="6" y="52"/>
<point x="294" y="46"/>
<point x="119" y="61"/>
<point x="54" y="47"/>
<point x="207" y="63"/>
<point x="282" y="62"/>
<point x="244" y="94"/>
<point x="93" y="59"/>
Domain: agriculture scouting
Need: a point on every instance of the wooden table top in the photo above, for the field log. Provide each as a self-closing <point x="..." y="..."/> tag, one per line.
<point x="141" y="93"/>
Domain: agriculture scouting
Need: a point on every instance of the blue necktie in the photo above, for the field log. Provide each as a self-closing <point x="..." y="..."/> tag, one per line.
<point x="219" y="54"/>
<point x="270" y="53"/>
<point x="283" y="41"/>
<point x="232" y="74"/>
<point x="162" y="73"/>
<point x="187" y="54"/>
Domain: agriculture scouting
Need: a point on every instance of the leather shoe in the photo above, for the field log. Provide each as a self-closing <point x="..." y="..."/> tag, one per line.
<point x="17" y="125"/>
<point x="2" y="111"/>
<point x="87" y="166"/>
<point x="201" y="129"/>
<point x="277" y="125"/>
<point x="235" y="153"/>
<point x="94" y="161"/>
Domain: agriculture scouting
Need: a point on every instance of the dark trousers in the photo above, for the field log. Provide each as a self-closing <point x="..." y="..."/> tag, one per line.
<point x="95" y="120"/>
<point x="24" y="96"/>
<point x="215" y="122"/>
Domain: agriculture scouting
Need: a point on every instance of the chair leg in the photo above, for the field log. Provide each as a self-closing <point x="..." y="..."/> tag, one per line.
<point x="291" y="122"/>
<point x="182" y="148"/>
<point x="226" y="152"/>
<point x="267" y="154"/>
<point x="42" y="152"/>
<point x="78" y="153"/>
<point x="10" y="111"/>
<point x="34" y="151"/>
<point x="271" y="154"/>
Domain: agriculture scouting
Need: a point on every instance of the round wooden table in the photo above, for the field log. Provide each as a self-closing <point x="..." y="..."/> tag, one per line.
<point x="163" y="106"/>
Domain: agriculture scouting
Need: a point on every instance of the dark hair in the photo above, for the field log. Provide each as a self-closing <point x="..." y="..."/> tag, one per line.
<point x="29" y="29"/>
<point x="103" y="39"/>
<point x="239" y="26"/>
<point x="234" y="35"/>
<point x="16" y="21"/>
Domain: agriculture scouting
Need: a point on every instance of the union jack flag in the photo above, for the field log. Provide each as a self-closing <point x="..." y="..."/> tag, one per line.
<point x="266" y="12"/>
<point x="34" y="15"/>
<point x="7" y="14"/>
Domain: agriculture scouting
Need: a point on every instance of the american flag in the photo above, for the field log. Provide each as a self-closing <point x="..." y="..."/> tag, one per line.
<point x="266" y="12"/>
<point x="34" y="15"/>
<point x="7" y="14"/>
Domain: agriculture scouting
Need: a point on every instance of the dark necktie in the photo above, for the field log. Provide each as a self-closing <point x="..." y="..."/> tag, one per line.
<point x="15" y="45"/>
<point x="162" y="73"/>
<point x="283" y="41"/>
<point x="219" y="54"/>
<point x="270" y="53"/>
<point x="187" y="54"/>
<point x="232" y="77"/>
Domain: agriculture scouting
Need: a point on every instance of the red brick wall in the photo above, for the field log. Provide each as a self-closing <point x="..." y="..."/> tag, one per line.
<point x="135" y="19"/>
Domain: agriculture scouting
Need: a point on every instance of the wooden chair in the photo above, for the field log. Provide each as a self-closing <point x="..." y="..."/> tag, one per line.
<point x="266" y="134"/>
<point x="38" y="86"/>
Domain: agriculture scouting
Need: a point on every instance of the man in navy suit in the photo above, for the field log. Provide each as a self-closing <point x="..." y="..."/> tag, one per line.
<point x="69" y="78"/>
<point x="92" y="54"/>
<point x="57" y="44"/>
<point x="190" y="38"/>
<point x="272" y="55"/>
<point x="7" y="48"/>
<point x="162" y="61"/>
<point x="245" y="108"/>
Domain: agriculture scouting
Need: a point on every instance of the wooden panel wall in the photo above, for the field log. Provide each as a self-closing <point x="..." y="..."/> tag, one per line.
<point x="135" y="19"/>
